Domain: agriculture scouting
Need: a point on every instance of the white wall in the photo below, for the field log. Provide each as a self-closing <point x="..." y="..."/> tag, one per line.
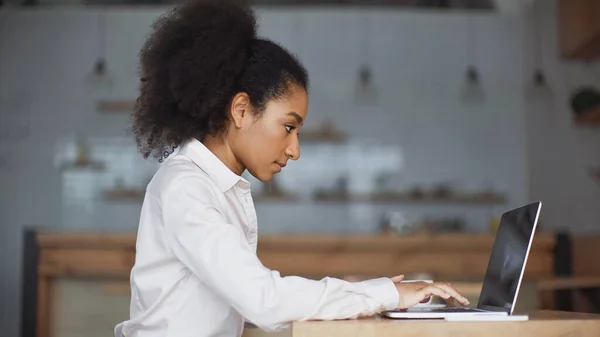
<point x="418" y="60"/>
<point x="559" y="154"/>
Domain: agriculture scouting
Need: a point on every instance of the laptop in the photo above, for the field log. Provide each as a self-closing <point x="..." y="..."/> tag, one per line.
<point x="504" y="271"/>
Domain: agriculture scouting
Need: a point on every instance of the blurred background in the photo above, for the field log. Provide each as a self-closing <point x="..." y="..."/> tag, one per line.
<point x="427" y="120"/>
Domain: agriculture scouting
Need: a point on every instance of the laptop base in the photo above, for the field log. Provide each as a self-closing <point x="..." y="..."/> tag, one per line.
<point x="438" y="313"/>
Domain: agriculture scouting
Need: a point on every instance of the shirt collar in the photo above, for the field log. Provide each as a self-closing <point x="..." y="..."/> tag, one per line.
<point x="213" y="166"/>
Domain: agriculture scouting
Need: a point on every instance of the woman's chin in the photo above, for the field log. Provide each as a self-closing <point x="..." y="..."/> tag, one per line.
<point x="263" y="176"/>
<point x="266" y="177"/>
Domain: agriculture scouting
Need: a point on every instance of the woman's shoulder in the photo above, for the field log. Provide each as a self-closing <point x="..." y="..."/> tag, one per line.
<point x="179" y="174"/>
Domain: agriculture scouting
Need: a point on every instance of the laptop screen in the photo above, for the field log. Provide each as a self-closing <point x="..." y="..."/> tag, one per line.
<point x="509" y="253"/>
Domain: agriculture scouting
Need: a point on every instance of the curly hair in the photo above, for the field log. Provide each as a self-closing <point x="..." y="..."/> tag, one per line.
<point x="198" y="57"/>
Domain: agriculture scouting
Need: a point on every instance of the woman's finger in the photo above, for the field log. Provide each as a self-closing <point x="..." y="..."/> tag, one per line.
<point x="452" y="292"/>
<point x="451" y="302"/>
<point x="398" y="278"/>
<point x="431" y="289"/>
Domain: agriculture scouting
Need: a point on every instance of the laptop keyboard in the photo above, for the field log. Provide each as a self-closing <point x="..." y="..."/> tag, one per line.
<point x="455" y="310"/>
<point x="448" y="309"/>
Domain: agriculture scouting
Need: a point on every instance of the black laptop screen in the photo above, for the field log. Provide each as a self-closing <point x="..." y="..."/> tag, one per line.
<point x="507" y="259"/>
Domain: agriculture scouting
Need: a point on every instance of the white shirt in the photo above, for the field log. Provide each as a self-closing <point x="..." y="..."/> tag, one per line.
<point x="196" y="271"/>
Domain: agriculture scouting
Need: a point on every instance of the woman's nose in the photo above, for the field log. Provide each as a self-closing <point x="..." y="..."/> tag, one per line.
<point x="293" y="149"/>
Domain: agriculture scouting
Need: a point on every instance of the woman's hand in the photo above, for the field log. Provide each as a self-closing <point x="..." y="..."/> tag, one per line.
<point x="413" y="293"/>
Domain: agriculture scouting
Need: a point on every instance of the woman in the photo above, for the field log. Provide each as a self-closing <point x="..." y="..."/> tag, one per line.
<point x="227" y="101"/>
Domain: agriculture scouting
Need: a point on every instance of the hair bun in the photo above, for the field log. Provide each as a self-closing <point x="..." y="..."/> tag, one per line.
<point x="230" y="24"/>
<point x="213" y="39"/>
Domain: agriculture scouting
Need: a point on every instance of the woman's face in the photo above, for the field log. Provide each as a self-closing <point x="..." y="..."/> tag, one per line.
<point x="264" y="144"/>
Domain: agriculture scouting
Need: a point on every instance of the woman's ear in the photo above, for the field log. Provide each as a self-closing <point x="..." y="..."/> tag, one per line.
<point x="240" y="109"/>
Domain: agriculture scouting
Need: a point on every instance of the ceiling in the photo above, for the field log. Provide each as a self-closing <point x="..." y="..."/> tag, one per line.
<point x="504" y="7"/>
<point x="435" y="4"/>
<point x="448" y="4"/>
<point x="512" y="7"/>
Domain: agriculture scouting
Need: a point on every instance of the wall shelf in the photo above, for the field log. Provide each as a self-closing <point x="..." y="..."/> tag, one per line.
<point x="82" y="165"/>
<point x="131" y="194"/>
<point x="323" y="134"/>
<point x="399" y="197"/>
<point x="115" y="106"/>
<point x="137" y="195"/>
<point x="595" y="173"/>
<point x="125" y="194"/>
<point x="326" y="133"/>
<point x="579" y="29"/>
<point x="591" y="119"/>
<point x="274" y="197"/>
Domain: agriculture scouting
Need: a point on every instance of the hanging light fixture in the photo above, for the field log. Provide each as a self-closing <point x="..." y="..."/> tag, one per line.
<point x="366" y="91"/>
<point x="100" y="78"/>
<point x="538" y="88"/>
<point x="472" y="90"/>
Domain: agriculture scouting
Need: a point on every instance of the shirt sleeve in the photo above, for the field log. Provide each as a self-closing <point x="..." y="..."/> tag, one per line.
<point x="219" y="255"/>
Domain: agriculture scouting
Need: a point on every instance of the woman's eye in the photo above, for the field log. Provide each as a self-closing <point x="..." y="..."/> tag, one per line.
<point x="289" y="128"/>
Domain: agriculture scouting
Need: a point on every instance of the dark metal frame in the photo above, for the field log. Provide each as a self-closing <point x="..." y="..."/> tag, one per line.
<point x="29" y="287"/>
<point x="563" y="266"/>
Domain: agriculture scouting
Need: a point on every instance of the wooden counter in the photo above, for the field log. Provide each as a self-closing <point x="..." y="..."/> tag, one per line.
<point x="449" y="256"/>
<point x="540" y="324"/>
<point x="76" y="284"/>
<point x="75" y="281"/>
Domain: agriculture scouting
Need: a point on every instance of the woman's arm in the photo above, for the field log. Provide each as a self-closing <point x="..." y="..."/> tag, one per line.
<point x="218" y="254"/>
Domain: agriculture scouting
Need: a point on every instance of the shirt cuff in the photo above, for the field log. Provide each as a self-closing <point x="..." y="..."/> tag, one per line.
<point x="384" y="291"/>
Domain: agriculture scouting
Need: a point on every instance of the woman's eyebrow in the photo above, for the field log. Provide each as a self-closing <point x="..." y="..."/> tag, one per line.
<point x="295" y="115"/>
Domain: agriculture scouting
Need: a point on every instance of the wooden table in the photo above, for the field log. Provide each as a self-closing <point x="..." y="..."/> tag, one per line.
<point x="541" y="323"/>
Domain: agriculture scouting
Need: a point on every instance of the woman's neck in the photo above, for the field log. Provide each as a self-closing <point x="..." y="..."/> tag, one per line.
<point x="220" y="148"/>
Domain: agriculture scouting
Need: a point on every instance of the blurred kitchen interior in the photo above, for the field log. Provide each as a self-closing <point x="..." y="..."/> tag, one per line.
<point x="427" y="120"/>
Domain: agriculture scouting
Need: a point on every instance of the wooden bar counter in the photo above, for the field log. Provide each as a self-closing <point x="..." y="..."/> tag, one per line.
<point x="540" y="324"/>
<point x="78" y="283"/>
